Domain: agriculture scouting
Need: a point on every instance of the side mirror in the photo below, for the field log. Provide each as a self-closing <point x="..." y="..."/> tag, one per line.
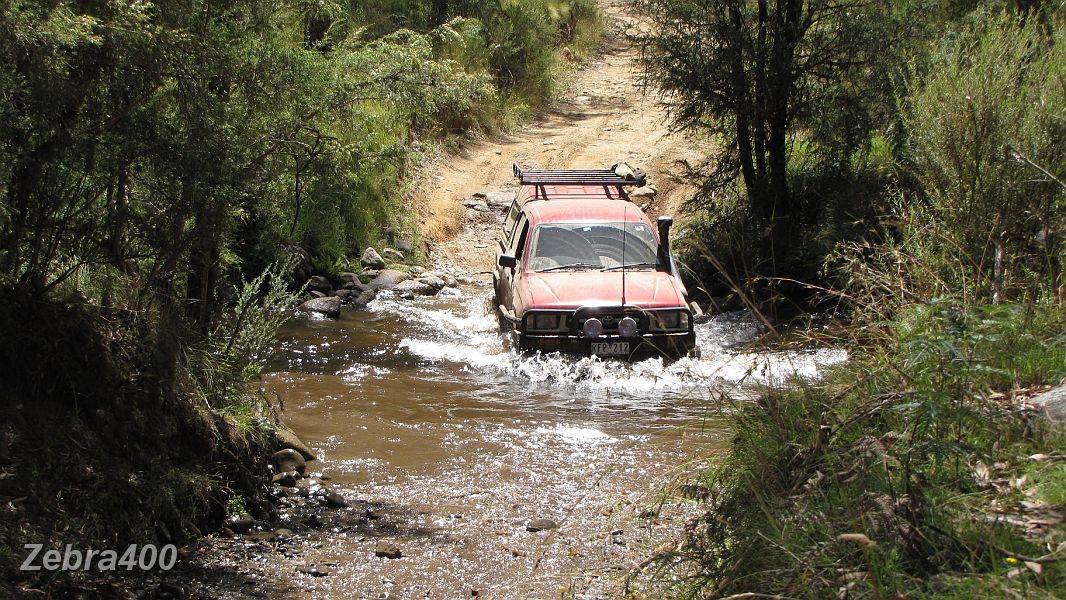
<point x="506" y="260"/>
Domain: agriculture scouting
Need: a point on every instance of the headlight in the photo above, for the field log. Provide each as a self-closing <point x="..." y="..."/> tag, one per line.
<point x="545" y="322"/>
<point x="675" y="320"/>
<point x="627" y="327"/>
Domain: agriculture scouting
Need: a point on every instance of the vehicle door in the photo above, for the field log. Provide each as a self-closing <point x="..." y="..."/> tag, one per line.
<point x="503" y="242"/>
<point x="508" y="278"/>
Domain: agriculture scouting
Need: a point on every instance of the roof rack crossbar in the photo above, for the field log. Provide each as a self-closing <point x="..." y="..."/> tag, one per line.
<point x="574" y="177"/>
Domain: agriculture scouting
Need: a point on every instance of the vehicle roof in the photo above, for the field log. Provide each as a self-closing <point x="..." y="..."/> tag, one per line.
<point x="584" y="210"/>
<point x="536" y="192"/>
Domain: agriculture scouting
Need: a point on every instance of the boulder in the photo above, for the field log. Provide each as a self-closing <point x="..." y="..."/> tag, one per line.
<point x="1052" y="403"/>
<point x="647" y="191"/>
<point x="392" y="255"/>
<point x="624" y="171"/>
<point x="415" y="287"/>
<point x="372" y="260"/>
<point x="286" y="438"/>
<point x="288" y="460"/>
<point x="330" y="306"/>
<point x="449" y="281"/>
<point x="387" y="279"/>
<point x="348" y="279"/>
<point x="319" y="283"/>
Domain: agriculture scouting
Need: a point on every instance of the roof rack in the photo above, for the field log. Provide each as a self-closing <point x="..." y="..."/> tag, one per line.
<point x="578" y="177"/>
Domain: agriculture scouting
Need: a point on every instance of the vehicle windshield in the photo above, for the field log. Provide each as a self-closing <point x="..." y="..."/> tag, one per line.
<point x="600" y="246"/>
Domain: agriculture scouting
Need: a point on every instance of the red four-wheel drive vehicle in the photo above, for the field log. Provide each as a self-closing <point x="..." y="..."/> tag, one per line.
<point x="582" y="269"/>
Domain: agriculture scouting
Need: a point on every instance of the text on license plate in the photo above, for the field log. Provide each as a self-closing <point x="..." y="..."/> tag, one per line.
<point x="609" y="348"/>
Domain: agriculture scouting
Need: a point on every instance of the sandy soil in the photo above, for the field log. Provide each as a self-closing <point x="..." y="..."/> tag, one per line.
<point x="607" y="116"/>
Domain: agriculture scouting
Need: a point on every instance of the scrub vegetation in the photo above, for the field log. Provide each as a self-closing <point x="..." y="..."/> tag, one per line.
<point x="165" y="169"/>
<point x="918" y="192"/>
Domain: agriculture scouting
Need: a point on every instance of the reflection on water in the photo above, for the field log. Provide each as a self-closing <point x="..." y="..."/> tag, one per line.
<point x="418" y="404"/>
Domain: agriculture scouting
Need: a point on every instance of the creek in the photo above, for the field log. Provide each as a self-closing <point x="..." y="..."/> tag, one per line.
<point x="450" y="444"/>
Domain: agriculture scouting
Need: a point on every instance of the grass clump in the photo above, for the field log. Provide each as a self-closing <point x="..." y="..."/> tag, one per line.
<point x="916" y="469"/>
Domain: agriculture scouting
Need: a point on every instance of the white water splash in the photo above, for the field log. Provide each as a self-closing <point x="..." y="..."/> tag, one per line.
<point x="462" y="331"/>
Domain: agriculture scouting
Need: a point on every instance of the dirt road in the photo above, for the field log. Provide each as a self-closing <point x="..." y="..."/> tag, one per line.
<point x="606" y="116"/>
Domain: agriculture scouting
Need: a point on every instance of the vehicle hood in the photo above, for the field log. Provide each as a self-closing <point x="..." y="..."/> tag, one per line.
<point x="574" y="289"/>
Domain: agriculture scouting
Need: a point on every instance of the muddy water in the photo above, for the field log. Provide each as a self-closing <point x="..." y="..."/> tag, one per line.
<point x="449" y="444"/>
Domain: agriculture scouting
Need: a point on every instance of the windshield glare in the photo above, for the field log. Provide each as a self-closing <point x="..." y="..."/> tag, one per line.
<point x="592" y="246"/>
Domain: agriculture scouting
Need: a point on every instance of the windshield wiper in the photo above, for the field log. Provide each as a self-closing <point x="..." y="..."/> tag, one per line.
<point x="569" y="266"/>
<point x="629" y="266"/>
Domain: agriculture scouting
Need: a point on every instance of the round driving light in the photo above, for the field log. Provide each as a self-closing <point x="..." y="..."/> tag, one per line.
<point x="627" y="327"/>
<point x="593" y="328"/>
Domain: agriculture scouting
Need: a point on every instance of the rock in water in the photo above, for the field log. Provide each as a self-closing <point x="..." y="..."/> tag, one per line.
<point x="364" y="298"/>
<point x="314" y="571"/>
<point x="330" y="306"/>
<point x="240" y="523"/>
<point x="541" y="525"/>
<point x="286" y="479"/>
<point x="286" y="438"/>
<point x="386" y="550"/>
<point x="372" y="260"/>
<point x="413" y="287"/>
<point x="335" y="500"/>
<point x="387" y="279"/>
<point x="288" y="460"/>
<point x="432" y="279"/>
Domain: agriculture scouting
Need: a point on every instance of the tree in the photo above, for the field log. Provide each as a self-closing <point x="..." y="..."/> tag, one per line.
<point x="754" y="73"/>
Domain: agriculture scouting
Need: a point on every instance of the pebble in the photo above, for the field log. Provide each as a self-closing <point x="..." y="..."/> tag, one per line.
<point x="541" y="525"/>
<point x="387" y="550"/>
<point x="314" y="571"/>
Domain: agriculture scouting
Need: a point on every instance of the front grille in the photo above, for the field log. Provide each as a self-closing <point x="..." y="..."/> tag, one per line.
<point x="610" y="319"/>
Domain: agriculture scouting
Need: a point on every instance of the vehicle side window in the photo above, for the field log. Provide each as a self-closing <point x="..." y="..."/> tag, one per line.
<point x="523" y="227"/>
<point x="509" y="223"/>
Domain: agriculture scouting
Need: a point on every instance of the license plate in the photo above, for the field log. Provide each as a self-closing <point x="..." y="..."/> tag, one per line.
<point x="610" y="348"/>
